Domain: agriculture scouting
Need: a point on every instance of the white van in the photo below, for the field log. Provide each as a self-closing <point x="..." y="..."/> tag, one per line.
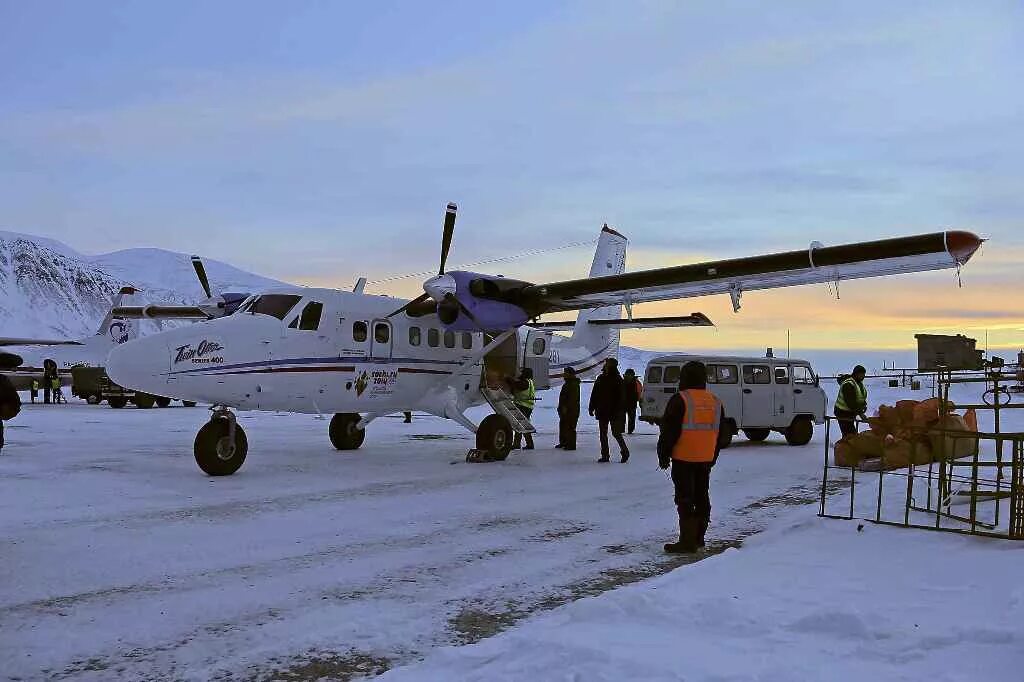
<point x="760" y="395"/>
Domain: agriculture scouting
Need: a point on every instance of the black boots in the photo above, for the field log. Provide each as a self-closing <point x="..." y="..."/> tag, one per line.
<point x="625" y="456"/>
<point x="691" y="535"/>
<point x="704" y="523"/>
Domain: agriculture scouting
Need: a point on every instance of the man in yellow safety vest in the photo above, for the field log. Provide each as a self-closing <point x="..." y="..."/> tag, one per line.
<point x="524" y="395"/>
<point x="689" y="442"/>
<point x="852" y="401"/>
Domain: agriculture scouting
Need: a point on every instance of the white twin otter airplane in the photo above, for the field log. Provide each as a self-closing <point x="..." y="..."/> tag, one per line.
<point x="355" y="356"/>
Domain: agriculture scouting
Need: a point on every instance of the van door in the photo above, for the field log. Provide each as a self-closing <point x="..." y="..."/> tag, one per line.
<point x="808" y="398"/>
<point x="783" y="395"/>
<point x="758" y="396"/>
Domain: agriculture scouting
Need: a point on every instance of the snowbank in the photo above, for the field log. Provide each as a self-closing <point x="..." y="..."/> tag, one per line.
<point x="810" y="600"/>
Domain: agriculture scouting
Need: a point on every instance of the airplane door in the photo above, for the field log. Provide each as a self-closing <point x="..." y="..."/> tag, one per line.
<point x="381" y="339"/>
<point x="536" y="357"/>
<point x="758" y="392"/>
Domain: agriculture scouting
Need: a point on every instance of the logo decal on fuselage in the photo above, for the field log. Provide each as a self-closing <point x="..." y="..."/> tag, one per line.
<point x="206" y="352"/>
<point x="119" y="332"/>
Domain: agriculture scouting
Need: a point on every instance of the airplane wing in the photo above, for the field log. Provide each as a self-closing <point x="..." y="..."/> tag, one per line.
<point x="178" y="312"/>
<point x="694" y="320"/>
<point x="817" y="264"/>
<point x="10" y="341"/>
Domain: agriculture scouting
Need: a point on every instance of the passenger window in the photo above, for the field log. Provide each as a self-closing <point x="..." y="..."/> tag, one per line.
<point x="539" y="346"/>
<point x="802" y="375"/>
<point x="467" y="341"/>
<point x="310" y="318"/>
<point x="654" y="374"/>
<point x="756" y="374"/>
<point x="415" y="337"/>
<point x="449" y="339"/>
<point x="671" y="375"/>
<point x="433" y="338"/>
<point x="359" y="330"/>
<point x="381" y="332"/>
<point x="726" y="374"/>
<point x="781" y="375"/>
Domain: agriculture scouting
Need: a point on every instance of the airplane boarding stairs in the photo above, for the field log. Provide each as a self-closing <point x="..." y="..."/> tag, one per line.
<point x="503" y="404"/>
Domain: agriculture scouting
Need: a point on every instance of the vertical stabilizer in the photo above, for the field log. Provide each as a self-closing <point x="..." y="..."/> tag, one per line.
<point x="118" y="331"/>
<point x="609" y="259"/>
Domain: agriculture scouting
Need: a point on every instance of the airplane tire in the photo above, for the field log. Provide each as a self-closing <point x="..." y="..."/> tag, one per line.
<point x="213" y="451"/>
<point x="343" y="432"/>
<point x="756" y="435"/>
<point x="800" y="431"/>
<point x="117" y="402"/>
<point x="92" y="399"/>
<point x="188" y="403"/>
<point x="163" y="402"/>
<point x="494" y="436"/>
<point x="144" y="401"/>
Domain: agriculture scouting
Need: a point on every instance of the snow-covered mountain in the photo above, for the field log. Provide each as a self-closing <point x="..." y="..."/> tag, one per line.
<point x="47" y="289"/>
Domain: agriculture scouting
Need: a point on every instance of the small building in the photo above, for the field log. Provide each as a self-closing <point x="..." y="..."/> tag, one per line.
<point x="936" y="351"/>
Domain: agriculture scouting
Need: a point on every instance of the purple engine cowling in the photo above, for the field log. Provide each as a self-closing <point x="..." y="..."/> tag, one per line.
<point x="491" y="315"/>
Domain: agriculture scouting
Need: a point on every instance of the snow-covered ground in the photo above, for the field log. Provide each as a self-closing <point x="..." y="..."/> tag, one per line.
<point x="120" y="560"/>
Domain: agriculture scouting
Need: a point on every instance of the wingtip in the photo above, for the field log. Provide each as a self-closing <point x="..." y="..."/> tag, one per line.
<point x="962" y="245"/>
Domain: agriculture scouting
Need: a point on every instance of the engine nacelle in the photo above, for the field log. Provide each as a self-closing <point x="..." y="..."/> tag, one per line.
<point x="487" y="314"/>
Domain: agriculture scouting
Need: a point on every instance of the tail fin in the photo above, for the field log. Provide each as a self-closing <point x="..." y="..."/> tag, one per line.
<point x="118" y="331"/>
<point x="609" y="259"/>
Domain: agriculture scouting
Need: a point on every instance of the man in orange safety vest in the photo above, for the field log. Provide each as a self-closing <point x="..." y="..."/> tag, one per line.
<point x="689" y="442"/>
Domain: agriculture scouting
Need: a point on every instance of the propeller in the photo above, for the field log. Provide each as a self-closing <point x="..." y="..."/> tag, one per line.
<point x="446" y="244"/>
<point x="197" y="263"/>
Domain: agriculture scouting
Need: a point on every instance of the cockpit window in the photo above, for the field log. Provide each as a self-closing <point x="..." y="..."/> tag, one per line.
<point x="310" y="319"/>
<point x="275" y="305"/>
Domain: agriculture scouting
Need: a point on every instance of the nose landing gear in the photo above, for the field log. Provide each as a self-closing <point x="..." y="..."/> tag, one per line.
<point x="221" y="445"/>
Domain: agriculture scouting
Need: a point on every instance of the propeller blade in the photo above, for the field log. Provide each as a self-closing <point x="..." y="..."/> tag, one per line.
<point x="446" y="237"/>
<point x="197" y="263"/>
<point x="465" y="311"/>
<point x="416" y="301"/>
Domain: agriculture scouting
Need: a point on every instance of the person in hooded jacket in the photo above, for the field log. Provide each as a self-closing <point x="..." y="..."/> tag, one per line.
<point x="689" y="443"/>
<point x="632" y="389"/>
<point x="607" y="405"/>
<point x="10" y="401"/>
<point x="568" y="410"/>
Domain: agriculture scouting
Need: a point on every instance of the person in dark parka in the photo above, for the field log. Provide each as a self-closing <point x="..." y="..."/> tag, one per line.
<point x="607" y="405"/>
<point x="568" y="410"/>
<point x="690" y="444"/>
<point x="631" y="398"/>
<point x="10" y="401"/>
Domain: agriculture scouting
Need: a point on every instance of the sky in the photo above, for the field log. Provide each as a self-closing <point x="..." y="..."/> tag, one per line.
<point x="316" y="142"/>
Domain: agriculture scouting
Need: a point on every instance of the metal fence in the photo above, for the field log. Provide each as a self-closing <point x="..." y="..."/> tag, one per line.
<point x="990" y="482"/>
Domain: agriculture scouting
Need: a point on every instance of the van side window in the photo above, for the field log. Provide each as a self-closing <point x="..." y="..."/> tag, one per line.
<point x="654" y="374"/>
<point x="756" y="374"/>
<point x="726" y="374"/>
<point x="449" y="339"/>
<point x="712" y="371"/>
<point x="433" y="337"/>
<point x="782" y="375"/>
<point x="310" y="318"/>
<point x="415" y="337"/>
<point x="467" y="341"/>
<point x="671" y="375"/>
<point x="359" y="331"/>
<point x="802" y="375"/>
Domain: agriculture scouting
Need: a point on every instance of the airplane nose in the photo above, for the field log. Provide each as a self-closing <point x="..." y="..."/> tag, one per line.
<point x="140" y="364"/>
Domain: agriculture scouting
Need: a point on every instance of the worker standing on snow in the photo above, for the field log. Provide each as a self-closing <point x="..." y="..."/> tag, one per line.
<point x="34" y="391"/>
<point x="606" y="404"/>
<point x="58" y="397"/>
<point x="524" y="395"/>
<point x="632" y="390"/>
<point x="10" y="404"/>
<point x="852" y="401"/>
<point x="568" y="410"/>
<point x="689" y="442"/>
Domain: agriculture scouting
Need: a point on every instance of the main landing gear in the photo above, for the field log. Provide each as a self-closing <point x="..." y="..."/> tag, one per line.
<point x="221" y="446"/>
<point x="493" y="440"/>
<point x="344" y="432"/>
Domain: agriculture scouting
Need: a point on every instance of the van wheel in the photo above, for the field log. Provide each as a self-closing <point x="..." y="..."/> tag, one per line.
<point x="756" y="435"/>
<point x="494" y="436"/>
<point x="92" y="399"/>
<point x="163" y="402"/>
<point x="188" y="403"/>
<point x="117" y="402"/>
<point x="343" y="432"/>
<point x="725" y="434"/>
<point x="800" y="431"/>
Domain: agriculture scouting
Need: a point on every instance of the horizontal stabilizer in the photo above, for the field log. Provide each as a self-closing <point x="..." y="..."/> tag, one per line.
<point x="694" y="320"/>
<point x="37" y="342"/>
